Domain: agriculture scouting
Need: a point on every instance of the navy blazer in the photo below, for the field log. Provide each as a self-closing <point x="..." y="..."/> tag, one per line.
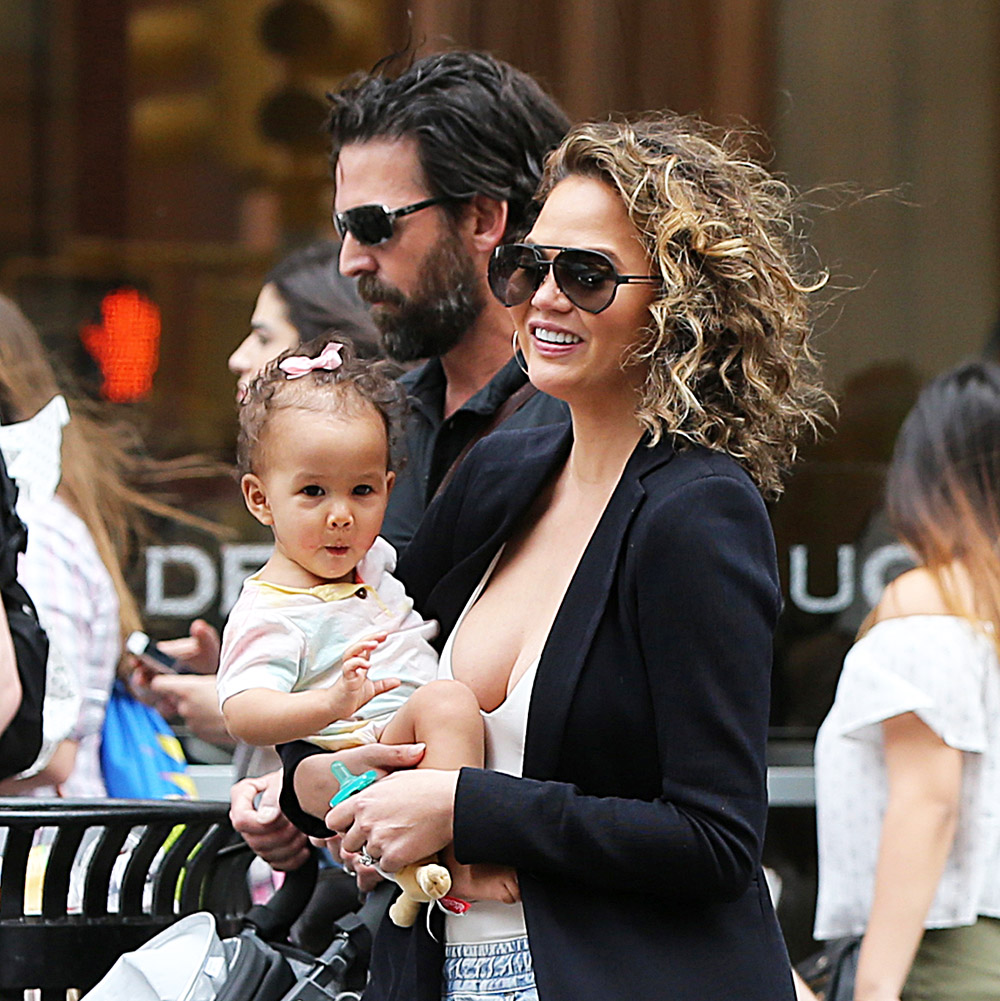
<point x="637" y="828"/>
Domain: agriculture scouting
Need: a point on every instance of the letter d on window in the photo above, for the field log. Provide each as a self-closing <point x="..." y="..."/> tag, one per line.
<point x="197" y="562"/>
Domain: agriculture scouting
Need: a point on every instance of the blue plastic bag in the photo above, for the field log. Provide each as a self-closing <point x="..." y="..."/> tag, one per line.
<point x="140" y="756"/>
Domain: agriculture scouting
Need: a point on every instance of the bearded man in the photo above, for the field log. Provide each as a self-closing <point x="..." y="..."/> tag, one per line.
<point x="433" y="169"/>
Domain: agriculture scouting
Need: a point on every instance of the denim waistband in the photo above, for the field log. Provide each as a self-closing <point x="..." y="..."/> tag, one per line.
<point x="488" y="969"/>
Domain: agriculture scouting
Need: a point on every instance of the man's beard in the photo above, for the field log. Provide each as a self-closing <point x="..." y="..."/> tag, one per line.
<point x="447" y="301"/>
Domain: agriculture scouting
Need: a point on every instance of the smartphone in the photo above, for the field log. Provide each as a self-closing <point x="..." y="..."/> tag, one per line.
<point x="141" y="646"/>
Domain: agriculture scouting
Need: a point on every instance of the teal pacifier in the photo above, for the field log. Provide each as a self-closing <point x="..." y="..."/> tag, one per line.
<point x="349" y="782"/>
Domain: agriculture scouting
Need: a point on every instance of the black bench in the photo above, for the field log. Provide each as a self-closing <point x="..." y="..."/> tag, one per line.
<point x="177" y="857"/>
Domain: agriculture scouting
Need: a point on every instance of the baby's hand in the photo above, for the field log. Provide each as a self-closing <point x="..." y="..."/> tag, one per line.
<point x="356" y="688"/>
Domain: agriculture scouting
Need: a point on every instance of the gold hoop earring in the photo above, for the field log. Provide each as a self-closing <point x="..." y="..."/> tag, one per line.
<point x="519" y="355"/>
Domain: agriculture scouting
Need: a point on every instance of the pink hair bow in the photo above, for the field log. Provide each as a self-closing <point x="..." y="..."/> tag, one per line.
<point x="296" y="366"/>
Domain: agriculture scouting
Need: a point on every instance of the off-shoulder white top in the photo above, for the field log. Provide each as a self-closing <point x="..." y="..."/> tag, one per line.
<point x="944" y="669"/>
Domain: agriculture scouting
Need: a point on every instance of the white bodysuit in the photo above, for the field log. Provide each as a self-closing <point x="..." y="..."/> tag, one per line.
<point x="505" y="726"/>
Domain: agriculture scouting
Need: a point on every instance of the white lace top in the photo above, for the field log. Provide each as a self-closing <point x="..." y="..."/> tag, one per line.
<point x="945" y="670"/>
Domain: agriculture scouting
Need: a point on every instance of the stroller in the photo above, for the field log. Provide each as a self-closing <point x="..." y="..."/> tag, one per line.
<point x="84" y="882"/>
<point x="257" y="964"/>
<point x="261" y="967"/>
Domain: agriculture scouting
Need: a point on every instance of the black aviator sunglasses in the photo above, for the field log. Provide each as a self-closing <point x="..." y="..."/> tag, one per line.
<point x="586" y="277"/>
<point x="374" y="224"/>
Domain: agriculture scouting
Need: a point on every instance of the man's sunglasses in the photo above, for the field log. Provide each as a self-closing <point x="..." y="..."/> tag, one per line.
<point x="374" y="224"/>
<point x="586" y="277"/>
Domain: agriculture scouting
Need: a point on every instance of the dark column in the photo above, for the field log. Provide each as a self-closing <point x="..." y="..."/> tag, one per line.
<point x="101" y="117"/>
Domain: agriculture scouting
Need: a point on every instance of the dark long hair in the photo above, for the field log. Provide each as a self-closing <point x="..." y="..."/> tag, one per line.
<point x="943" y="488"/>
<point x="481" y="126"/>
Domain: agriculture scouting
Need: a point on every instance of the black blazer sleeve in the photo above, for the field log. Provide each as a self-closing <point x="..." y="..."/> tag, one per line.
<point x="694" y="599"/>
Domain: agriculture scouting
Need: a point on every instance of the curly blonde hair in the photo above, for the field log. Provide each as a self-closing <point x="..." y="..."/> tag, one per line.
<point x="727" y="350"/>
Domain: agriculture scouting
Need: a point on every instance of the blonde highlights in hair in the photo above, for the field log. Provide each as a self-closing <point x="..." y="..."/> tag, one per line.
<point x="727" y="353"/>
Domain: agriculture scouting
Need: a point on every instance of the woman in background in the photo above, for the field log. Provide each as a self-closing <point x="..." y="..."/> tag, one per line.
<point x="79" y="539"/>
<point x="304" y="296"/>
<point x="908" y="759"/>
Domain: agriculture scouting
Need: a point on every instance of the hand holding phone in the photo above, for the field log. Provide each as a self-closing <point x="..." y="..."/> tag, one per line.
<point x="152" y="657"/>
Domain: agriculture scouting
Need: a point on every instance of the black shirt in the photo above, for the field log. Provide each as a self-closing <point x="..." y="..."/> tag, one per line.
<point x="431" y="443"/>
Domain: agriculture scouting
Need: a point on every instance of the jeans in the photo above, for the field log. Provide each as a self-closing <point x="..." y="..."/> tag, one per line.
<point x="498" y="971"/>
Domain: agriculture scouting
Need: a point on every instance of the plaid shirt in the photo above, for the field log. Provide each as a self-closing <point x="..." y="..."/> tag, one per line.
<point x="78" y="606"/>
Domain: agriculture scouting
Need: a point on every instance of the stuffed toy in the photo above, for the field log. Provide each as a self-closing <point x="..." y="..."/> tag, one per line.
<point x="421" y="883"/>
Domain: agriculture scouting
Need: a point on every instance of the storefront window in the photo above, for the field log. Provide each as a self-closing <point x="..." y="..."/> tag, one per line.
<point x="161" y="155"/>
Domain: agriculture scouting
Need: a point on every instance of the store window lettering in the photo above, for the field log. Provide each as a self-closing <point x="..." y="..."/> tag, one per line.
<point x="876" y="569"/>
<point x="199" y="568"/>
<point x="206" y="582"/>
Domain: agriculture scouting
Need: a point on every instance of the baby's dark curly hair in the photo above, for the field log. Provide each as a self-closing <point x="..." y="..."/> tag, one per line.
<point x="354" y="384"/>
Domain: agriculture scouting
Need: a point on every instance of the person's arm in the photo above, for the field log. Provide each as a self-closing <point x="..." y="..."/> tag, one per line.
<point x="10" y="680"/>
<point x="309" y="784"/>
<point x="701" y="565"/>
<point x="193" y="698"/>
<point x="56" y="771"/>
<point x="918" y="829"/>
<point x="264" y="717"/>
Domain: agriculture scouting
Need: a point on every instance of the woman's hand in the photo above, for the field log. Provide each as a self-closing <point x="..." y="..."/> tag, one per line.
<point x="315" y="785"/>
<point x="192" y="697"/>
<point x="200" y="649"/>
<point x="367" y="876"/>
<point x="401" y="819"/>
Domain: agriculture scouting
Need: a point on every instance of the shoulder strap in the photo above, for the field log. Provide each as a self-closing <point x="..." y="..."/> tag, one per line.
<point x="13" y="536"/>
<point x="510" y="406"/>
<point x="21" y="741"/>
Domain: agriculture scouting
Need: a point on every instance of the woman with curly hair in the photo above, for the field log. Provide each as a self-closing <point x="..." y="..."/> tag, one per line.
<point x="908" y="759"/>
<point x="609" y="592"/>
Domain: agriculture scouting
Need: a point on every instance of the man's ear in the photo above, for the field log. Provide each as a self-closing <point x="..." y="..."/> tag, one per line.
<point x="390" y="482"/>
<point x="255" y="498"/>
<point x="486" y="219"/>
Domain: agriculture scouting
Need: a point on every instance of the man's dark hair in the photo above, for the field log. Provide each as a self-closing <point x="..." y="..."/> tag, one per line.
<point x="481" y="126"/>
